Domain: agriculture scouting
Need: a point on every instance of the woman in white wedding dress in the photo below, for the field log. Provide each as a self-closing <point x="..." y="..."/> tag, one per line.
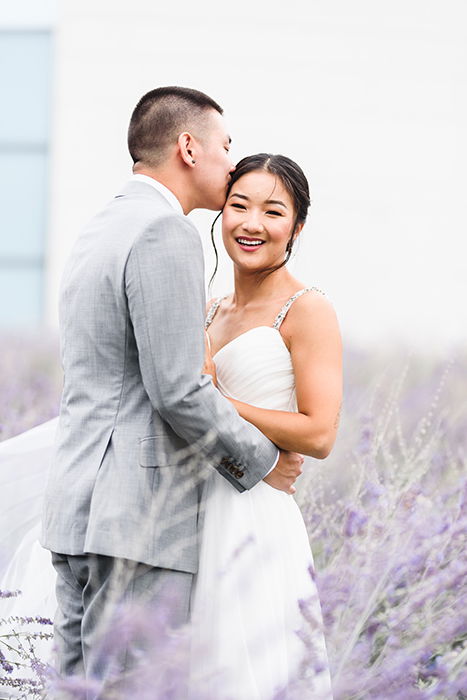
<point x="277" y="354"/>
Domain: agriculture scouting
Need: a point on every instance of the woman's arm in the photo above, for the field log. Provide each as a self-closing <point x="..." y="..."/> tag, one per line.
<point x="312" y="333"/>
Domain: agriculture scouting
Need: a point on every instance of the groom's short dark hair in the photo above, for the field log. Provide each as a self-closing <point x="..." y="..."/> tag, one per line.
<point x="160" y="116"/>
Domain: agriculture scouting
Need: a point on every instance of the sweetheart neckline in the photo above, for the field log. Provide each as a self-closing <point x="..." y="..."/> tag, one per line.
<point x="255" y="328"/>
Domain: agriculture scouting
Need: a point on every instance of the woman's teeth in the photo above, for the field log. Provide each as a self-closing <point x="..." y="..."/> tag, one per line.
<point x="244" y="241"/>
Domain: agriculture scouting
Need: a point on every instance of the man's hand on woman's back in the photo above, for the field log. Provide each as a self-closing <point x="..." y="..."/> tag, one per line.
<point x="286" y="472"/>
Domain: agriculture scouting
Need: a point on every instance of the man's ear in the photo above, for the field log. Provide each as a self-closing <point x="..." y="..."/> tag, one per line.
<point x="186" y="148"/>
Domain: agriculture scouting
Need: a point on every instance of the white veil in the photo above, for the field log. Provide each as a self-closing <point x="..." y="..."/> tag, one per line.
<point x="24" y="464"/>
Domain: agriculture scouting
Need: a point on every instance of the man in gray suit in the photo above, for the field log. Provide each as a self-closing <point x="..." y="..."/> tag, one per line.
<point x="140" y="423"/>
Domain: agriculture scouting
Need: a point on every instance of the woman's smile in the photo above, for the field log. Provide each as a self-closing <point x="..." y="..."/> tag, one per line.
<point x="249" y="244"/>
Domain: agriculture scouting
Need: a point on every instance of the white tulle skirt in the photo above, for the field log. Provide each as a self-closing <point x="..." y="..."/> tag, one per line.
<point x="253" y="576"/>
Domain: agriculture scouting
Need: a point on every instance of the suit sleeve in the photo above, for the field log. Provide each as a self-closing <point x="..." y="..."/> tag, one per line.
<point x="164" y="281"/>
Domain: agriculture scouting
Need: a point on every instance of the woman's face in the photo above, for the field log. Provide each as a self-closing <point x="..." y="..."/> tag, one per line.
<point x="257" y="221"/>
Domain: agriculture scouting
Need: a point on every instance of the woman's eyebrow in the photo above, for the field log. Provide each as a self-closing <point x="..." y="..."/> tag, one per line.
<point x="276" y="201"/>
<point x="267" y="201"/>
<point x="235" y="194"/>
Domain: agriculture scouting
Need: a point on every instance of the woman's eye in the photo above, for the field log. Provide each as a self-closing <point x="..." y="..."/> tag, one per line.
<point x="276" y="213"/>
<point x="237" y="206"/>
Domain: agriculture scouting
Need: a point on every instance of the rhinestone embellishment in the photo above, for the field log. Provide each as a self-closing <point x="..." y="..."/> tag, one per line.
<point x="283" y="312"/>
<point x="280" y="316"/>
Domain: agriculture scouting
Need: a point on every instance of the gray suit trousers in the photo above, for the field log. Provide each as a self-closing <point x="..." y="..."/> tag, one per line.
<point x="93" y="592"/>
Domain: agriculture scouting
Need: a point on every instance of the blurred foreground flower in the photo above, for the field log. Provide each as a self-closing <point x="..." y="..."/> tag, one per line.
<point x="30" y="382"/>
<point x="387" y="517"/>
<point x="22" y="673"/>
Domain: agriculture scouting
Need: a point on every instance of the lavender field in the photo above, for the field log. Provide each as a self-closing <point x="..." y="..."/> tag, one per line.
<point x="387" y="518"/>
<point x="30" y="382"/>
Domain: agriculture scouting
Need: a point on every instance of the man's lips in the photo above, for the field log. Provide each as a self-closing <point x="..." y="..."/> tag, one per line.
<point x="248" y="243"/>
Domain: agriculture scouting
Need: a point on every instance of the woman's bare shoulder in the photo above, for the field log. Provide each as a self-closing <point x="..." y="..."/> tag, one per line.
<point x="312" y="313"/>
<point x="313" y="301"/>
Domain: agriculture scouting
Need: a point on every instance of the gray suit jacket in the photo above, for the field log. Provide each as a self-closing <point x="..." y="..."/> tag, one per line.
<point x="139" y="423"/>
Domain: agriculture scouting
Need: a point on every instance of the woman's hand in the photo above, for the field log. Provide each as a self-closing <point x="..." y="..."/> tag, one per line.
<point x="209" y="367"/>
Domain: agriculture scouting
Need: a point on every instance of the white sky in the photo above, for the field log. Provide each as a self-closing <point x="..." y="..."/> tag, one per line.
<point x="370" y="98"/>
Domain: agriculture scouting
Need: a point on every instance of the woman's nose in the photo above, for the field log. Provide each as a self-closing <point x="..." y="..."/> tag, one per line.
<point x="253" y="225"/>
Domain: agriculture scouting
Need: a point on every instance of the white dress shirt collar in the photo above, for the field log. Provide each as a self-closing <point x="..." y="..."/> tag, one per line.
<point x="162" y="189"/>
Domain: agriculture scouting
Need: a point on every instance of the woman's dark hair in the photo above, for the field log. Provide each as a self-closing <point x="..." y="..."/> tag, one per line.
<point x="294" y="180"/>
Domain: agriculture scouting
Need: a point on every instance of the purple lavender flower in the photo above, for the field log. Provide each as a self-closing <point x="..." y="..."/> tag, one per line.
<point x="4" y="664"/>
<point x="9" y="594"/>
<point x="30" y="379"/>
<point x="354" y="523"/>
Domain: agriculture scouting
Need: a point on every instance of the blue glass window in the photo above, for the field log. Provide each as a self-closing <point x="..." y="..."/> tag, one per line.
<point x="25" y="75"/>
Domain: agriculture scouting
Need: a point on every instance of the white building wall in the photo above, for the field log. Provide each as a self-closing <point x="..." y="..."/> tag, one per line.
<point x="368" y="97"/>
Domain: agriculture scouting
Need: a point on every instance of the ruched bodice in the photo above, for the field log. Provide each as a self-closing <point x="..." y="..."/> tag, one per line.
<point x="255" y="367"/>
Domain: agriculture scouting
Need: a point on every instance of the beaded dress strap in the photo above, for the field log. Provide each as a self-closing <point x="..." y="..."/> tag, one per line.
<point x="212" y="311"/>
<point x="283" y="312"/>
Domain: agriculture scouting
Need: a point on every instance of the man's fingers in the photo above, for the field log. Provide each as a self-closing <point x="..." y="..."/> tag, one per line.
<point x="285" y="484"/>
